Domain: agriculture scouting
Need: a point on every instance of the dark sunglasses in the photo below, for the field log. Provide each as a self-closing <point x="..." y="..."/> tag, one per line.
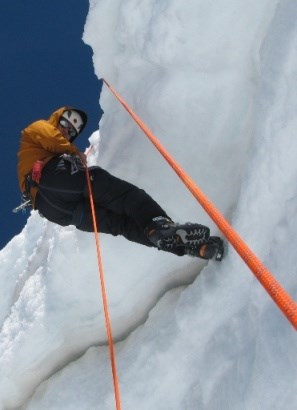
<point x="65" y="124"/>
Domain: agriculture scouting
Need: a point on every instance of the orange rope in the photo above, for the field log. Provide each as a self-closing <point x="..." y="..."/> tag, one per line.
<point x="274" y="289"/>
<point x="104" y="298"/>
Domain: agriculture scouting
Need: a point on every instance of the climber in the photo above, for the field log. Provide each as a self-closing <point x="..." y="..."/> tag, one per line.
<point x="51" y="172"/>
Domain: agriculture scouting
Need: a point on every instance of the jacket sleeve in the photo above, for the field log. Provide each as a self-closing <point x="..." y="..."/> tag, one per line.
<point x="45" y="135"/>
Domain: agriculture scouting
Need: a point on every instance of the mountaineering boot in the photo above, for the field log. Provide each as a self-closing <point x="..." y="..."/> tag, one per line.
<point x="179" y="239"/>
<point x="213" y="248"/>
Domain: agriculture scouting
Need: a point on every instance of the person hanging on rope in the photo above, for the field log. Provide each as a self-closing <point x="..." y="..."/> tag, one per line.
<point x="51" y="172"/>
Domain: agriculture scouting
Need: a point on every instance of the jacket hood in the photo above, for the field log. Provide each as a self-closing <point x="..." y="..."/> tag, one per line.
<point x="55" y="116"/>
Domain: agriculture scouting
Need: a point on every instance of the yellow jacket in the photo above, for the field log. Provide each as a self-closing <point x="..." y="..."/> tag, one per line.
<point x="41" y="140"/>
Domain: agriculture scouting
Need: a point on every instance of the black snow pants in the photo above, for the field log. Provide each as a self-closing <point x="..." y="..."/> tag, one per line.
<point x="121" y="208"/>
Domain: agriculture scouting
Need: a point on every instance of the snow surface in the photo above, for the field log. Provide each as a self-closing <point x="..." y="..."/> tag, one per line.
<point x="216" y="82"/>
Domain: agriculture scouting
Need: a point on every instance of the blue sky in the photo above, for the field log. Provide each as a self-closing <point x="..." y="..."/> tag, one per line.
<point x="44" y="65"/>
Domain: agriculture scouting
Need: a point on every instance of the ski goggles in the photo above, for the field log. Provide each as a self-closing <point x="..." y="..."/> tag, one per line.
<point x="70" y="129"/>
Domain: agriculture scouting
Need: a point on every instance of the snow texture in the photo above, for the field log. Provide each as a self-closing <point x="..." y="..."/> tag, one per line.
<point x="216" y="82"/>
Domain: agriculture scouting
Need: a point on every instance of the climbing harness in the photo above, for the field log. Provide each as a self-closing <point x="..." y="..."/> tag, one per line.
<point x="32" y="180"/>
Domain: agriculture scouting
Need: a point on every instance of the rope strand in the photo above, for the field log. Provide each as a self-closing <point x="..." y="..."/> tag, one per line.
<point x="104" y="297"/>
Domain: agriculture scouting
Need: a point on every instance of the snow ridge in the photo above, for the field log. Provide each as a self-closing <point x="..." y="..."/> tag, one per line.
<point x="217" y="84"/>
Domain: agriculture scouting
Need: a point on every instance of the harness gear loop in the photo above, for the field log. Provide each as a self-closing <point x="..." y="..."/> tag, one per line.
<point x="104" y="297"/>
<point x="283" y="300"/>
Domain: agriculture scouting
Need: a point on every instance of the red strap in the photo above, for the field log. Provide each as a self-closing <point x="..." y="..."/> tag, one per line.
<point x="37" y="170"/>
